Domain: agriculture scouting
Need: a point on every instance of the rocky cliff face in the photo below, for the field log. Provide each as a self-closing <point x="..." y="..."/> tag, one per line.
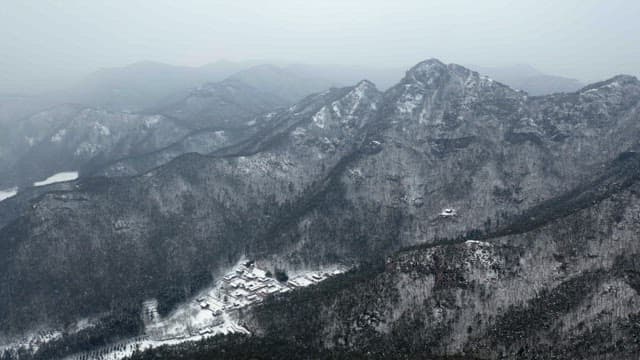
<point x="345" y="175"/>
<point x="445" y="137"/>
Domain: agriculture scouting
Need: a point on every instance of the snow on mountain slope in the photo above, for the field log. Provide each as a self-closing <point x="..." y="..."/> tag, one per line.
<point x="375" y="176"/>
<point x="560" y="282"/>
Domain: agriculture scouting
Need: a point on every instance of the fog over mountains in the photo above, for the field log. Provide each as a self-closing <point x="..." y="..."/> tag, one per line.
<point x="527" y="78"/>
<point x="335" y="179"/>
<point x="144" y="85"/>
<point x="476" y="219"/>
<point x="179" y="101"/>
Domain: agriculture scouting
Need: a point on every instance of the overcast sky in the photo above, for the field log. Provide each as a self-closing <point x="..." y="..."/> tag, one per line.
<point x="47" y="42"/>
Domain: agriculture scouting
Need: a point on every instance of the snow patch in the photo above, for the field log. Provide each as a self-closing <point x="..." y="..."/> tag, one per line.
<point x="86" y="148"/>
<point x="151" y="121"/>
<point x="409" y="103"/>
<point x="320" y="118"/>
<point x="30" y="342"/>
<point x="101" y="129"/>
<point x="57" y="137"/>
<point x="476" y="242"/>
<point x="486" y="78"/>
<point x="7" y="193"/>
<point x="611" y="85"/>
<point x="298" y="132"/>
<point x="59" y="177"/>
<point x="220" y="135"/>
<point x="336" y="109"/>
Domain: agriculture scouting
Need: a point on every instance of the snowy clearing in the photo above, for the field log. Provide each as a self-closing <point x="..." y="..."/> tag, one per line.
<point x="214" y="311"/>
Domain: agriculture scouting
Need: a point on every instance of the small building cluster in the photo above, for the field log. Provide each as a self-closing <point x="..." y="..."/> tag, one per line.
<point x="213" y="311"/>
<point x="247" y="284"/>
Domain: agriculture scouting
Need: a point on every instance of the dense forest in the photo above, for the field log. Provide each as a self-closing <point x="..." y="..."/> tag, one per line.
<point x="266" y="348"/>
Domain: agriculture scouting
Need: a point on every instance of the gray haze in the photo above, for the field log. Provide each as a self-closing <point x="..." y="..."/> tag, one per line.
<point x="49" y="44"/>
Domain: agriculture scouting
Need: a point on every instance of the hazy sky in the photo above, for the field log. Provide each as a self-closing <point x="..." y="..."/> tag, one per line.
<point x="45" y="42"/>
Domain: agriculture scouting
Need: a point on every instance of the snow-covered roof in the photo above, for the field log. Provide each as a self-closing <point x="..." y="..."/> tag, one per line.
<point x="448" y="212"/>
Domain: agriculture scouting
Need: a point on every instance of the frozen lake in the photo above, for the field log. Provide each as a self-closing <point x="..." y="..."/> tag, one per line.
<point x="59" y="177"/>
<point x="7" y="193"/>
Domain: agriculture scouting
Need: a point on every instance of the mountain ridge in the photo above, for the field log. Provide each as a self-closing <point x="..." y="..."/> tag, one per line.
<point x="389" y="163"/>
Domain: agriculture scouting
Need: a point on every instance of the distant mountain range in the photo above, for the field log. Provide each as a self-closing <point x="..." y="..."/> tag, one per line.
<point x="527" y="78"/>
<point x="193" y="106"/>
<point x="194" y="96"/>
<point x="146" y="85"/>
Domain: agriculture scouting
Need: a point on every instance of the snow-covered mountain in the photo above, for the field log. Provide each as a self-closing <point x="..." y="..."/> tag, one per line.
<point x="347" y="175"/>
<point x="559" y="282"/>
<point x="110" y="140"/>
<point x="85" y="139"/>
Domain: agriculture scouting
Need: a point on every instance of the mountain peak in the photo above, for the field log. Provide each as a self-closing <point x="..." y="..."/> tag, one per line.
<point x="625" y="78"/>
<point x="364" y="94"/>
<point x="366" y="85"/>
<point x="434" y="73"/>
<point x="427" y="67"/>
<point x="616" y="81"/>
